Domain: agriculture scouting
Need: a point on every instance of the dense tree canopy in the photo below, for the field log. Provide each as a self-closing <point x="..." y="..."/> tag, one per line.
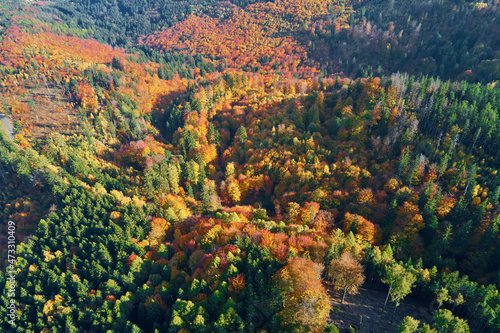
<point x="234" y="157"/>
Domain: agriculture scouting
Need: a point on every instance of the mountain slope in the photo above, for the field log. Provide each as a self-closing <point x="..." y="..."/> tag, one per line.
<point x="212" y="175"/>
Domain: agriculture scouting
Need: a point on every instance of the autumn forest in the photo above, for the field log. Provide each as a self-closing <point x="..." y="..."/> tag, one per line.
<point x="244" y="166"/>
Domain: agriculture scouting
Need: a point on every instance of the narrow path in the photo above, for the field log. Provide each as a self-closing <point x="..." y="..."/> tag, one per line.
<point x="7" y="125"/>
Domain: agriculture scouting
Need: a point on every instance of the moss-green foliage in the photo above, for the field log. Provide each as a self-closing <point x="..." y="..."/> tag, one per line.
<point x="134" y="229"/>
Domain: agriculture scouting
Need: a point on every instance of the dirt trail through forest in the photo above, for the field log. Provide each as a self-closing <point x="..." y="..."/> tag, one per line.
<point x="10" y="133"/>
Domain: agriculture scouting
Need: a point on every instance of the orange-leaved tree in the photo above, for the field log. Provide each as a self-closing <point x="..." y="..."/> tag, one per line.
<point x="305" y="304"/>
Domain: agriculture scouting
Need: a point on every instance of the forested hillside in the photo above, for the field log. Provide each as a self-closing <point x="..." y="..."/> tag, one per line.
<point x="225" y="166"/>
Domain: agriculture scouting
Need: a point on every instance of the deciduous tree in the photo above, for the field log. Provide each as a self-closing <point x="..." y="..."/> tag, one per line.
<point x="346" y="273"/>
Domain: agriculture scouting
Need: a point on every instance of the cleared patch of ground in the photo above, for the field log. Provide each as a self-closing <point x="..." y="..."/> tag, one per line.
<point x="48" y="111"/>
<point x="365" y="311"/>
